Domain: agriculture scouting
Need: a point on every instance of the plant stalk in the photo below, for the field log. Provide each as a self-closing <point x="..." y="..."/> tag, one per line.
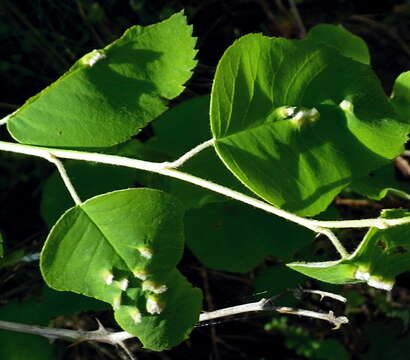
<point x="318" y="226"/>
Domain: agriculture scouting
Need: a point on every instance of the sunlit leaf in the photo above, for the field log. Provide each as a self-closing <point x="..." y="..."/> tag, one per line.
<point x="380" y="257"/>
<point x="123" y="248"/>
<point x="283" y="112"/>
<point x="401" y="95"/>
<point x="344" y="41"/>
<point x="110" y="94"/>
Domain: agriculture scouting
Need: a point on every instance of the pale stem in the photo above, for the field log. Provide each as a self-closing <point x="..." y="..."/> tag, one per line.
<point x="324" y="294"/>
<point x="336" y="243"/>
<point x="117" y="338"/>
<point x="191" y="153"/>
<point x="267" y="305"/>
<point x="322" y="227"/>
<point x="112" y="338"/>
<point x="6" y="119"/>
<point x="64" y="176"/>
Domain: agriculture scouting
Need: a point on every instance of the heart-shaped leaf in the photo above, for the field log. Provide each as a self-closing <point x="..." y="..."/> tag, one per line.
<point x="110" y="94"/>
<point x="295" y="121"/>
<point x="123" y="248"/>
<point x="381" y="256"/>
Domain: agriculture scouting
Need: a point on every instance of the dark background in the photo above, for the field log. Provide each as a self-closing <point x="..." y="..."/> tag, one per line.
<point x="39" y="41"/>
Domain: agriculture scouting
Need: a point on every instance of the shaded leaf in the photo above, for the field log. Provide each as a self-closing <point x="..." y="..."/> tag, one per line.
<point x="176" y="132"/>
<point x="234" y="237"/>
<point x="88" y="179"/>
<point x="386" y="341"/>
<point x="380" y="183"/>
<point x="275" y="280"/>
<point x="39" y="312"/>
<point x="123" y="248"/>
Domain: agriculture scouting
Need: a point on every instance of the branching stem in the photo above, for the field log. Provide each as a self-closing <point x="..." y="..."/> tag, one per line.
<point x="267" y="305"/>
<point x="191" y="153"/>
<point x="64" y="176"/>
<point x="118" y="338"/>
<point x="318" y="226"/>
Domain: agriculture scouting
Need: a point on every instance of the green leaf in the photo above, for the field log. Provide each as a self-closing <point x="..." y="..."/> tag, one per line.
<point x="89" y="180"/>
<point x="39" y="312"/>
<point x="123" y="248"/>
<point x="344" y="41"/>
<point x="109" y="95"/>
<point x="401" y="95"/>
<point x="331" y="349"/>
<point x="183" y="127"/>
<point x="283" y="112"/>
<point x="380" y="183"/>
<point x="274" y="280"/>
<point x="380" y="257"/>
<point x="234" y="237"/>
<point x="387" y="341"/>
<point x="179" y="130"/>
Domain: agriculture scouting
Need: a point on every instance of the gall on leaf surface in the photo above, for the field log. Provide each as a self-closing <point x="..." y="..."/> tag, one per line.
<point x="110" y="94"/>
<point x="123" y="248"/>
<point x="296" y="121"/>
<point x="380" y="257"/>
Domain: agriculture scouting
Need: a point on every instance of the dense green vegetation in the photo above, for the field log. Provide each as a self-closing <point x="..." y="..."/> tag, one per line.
<point x="287" y="130"/>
